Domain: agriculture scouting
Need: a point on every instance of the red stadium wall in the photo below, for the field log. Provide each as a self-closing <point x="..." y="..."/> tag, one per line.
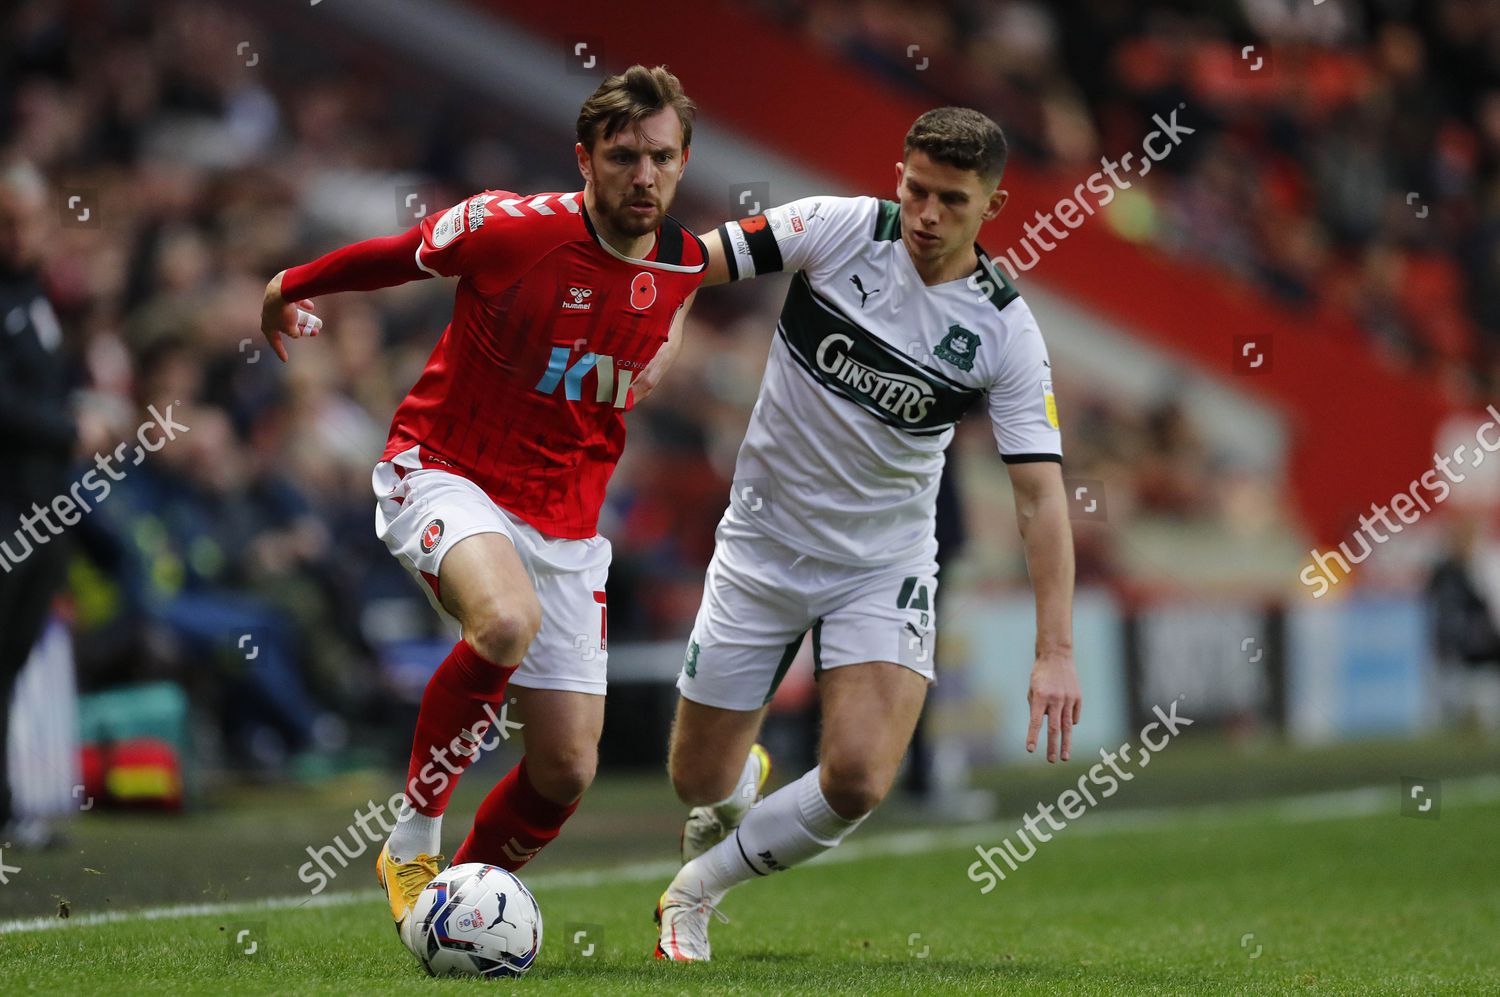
<point x="1359" y="431"/>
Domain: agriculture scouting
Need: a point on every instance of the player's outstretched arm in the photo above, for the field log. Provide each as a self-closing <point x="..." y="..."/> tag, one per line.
<point x="657" y="368"/>
<point x="363" y="266"/>
<point x="1042" y="514"/>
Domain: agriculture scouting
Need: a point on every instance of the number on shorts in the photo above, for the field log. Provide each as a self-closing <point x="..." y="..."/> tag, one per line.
<point x="915" y="595"/>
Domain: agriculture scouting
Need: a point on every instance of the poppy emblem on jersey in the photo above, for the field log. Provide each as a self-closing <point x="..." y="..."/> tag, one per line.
<point x="752" y="224"/>
<point x="432" y="535"/>
<point x="580" y="302"/>
<point x="958" y="347"/>
<point x="642" y="291"/>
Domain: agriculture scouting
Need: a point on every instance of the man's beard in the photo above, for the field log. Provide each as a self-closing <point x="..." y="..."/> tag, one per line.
<point x="627" y="222"/>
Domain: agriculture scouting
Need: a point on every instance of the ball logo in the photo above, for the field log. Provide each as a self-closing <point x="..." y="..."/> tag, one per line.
<point x="642" y="290"/>
<point x="432" y="536"/>
<point x="471" y="920"/>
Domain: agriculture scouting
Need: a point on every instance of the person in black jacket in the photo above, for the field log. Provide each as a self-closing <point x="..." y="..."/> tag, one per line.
<point x="1464" y="630"/>
<point x="38" y="435"/>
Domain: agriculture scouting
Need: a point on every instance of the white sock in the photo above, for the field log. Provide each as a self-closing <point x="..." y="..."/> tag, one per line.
<point x="732" y="808"/>
<point x="790" y="826"/>
<point x="415" y="834"/>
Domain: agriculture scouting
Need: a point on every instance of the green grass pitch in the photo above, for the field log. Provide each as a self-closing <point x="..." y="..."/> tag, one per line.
<point x="1252" y="898"/>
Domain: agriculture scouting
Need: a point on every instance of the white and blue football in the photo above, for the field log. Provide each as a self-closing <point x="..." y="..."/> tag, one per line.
<point x="475" y="920"/>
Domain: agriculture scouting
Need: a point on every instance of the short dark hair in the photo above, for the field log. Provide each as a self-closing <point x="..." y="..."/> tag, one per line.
<point x="960" y="137"/>
<point x="630" y="97"/>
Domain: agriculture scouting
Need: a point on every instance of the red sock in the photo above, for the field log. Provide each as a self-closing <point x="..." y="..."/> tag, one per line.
<point x="513" y="824"/>
<point x="458" y="706"/>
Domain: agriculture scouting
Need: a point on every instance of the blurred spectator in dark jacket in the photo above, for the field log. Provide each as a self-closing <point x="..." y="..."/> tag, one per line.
<point x="39" y="434"/>
<point x="1464" y="632"/>
<point x="213" y="551"/>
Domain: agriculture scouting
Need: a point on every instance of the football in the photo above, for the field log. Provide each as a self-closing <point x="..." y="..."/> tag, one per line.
<point x="476" y="920"/>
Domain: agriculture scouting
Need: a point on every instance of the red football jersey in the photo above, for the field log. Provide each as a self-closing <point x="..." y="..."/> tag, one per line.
<point x="525" y="393"/>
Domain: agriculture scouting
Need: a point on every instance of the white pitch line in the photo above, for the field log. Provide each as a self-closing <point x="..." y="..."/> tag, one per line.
<point x="187" y="910"/>
<point x="1361" y="802"/>
<point x="1364" y="801"/>
<point x="661" y="869"/>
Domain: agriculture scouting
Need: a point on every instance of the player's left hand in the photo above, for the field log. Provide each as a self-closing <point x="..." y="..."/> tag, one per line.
<point x="654" y="371"/>
<point x="1054" y="694"/>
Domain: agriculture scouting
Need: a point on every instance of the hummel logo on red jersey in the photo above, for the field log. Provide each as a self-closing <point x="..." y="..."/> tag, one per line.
<point x="580" y="302"/>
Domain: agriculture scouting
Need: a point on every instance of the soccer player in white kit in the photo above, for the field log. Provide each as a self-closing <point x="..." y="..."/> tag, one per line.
<point x="895" y="322"/>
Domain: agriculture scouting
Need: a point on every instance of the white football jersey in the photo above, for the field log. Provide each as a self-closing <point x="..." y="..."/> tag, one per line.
<point x="869" y="371"/>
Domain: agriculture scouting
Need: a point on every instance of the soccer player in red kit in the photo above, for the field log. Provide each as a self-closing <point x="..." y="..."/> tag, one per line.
<point x="490" y="484"/>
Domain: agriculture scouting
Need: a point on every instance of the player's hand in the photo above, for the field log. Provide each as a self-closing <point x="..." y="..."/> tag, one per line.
<point x="1054" y="694"/>
<point x="656" y="369"/>
<point x="652" y="374"/>
<point x="279" y="317"/>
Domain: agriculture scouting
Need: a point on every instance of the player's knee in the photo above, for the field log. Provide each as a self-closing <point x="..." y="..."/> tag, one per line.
<point x="700" y="785"/>
<point x="699" y="777"/>
<point x="562" y="776"/>
<point x="853" y="790"/>
<point x="503" y="630"/>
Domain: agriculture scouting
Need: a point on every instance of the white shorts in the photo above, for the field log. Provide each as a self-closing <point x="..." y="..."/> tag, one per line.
<point x="422" y="513"/>
<point x="761" y="597"/>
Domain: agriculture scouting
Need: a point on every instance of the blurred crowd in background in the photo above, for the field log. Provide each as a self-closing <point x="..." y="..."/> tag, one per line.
<point x="1357" y="168"/>
<point x="203" y="176"/>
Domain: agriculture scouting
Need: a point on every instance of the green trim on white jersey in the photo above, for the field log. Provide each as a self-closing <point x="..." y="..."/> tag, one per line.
<point x="869" y="372"/>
